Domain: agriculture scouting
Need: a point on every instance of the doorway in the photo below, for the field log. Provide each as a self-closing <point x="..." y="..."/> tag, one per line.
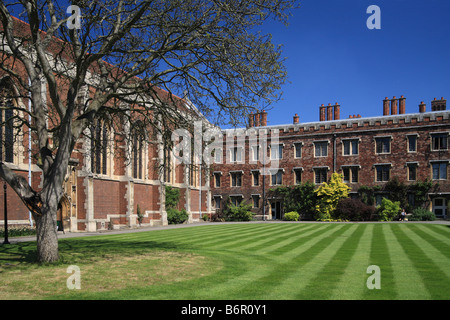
<point x="63" y="214"/>
<point x="440" y="207"/>
<point x="276" y="210"/>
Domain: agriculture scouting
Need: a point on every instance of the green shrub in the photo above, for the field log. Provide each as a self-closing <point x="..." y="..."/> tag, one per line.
<point x="241" y="212"/>
<point x="329" y="195"/>
<point x="175" y="216"/>
<point x="353" y="210"/>
<point x="172" y="197"/>
<point x="291" y="216"/>
<point x="18" y="231"/>
<point x="420" y="214"/>
<point x="388" y="210"/>
<point x="299" y="198"/>
<point x="140" y="216"/>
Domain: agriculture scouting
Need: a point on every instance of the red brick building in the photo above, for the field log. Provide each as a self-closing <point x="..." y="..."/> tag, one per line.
<point x="104" y="184"/>
<point x="103" y="187"/>
<point x="367" y="151"/>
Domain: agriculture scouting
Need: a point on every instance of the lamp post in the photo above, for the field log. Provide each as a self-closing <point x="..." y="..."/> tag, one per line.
<point x="5" y="217"/>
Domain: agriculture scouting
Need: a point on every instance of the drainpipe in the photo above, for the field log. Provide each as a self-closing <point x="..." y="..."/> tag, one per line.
<point x="334" y="152"/>
<point x="200" y="190"/>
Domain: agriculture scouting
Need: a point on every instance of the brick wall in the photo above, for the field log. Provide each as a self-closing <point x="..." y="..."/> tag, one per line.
<point x="365" y="130"/>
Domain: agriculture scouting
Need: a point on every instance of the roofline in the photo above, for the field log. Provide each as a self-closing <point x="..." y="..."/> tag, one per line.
<point x="329" y="123"/>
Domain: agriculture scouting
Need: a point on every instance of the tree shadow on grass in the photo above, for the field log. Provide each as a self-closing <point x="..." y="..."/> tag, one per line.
<point x="73" y="250"/>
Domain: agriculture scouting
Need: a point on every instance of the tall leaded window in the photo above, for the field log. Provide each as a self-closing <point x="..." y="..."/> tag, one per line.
<point x="236" y="178"/>
<point x="350" y="147"/>
<point x="276" y="152"/>
<point x="439" y="170"/>
<point x="137" y="157"/>
<point x="383" y="172"/>
<point x="6" y="121"/>
<point x="297" y="149"/>
<point x="277" y="178"/>
<point x="99" y="147"/>
<point x="412" y="143"/>
<point x="320" y="175"/>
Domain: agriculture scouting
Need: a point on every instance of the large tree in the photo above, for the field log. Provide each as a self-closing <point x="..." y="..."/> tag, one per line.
<point x="136" y="55"/>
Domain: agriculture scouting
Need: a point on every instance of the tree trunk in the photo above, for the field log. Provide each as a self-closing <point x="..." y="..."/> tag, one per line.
<point x="47" y="238"/>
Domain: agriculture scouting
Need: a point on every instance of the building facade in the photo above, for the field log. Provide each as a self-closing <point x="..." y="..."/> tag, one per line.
<point x="366" y="151"/>
<point x="108" y="176"/>
<point x="105" y="185"/>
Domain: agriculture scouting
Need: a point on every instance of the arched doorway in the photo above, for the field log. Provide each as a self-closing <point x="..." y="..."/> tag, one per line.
<point x="63" y="214"/>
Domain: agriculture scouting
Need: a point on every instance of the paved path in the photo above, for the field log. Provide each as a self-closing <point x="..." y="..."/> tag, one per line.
<point x="62" y="235"/>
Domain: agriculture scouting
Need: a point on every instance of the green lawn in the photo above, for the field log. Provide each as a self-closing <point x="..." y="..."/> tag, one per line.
<point x="241" y="261"/>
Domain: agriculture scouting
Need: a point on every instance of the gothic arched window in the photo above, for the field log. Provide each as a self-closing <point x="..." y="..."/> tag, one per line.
<point x="6" y="121"/>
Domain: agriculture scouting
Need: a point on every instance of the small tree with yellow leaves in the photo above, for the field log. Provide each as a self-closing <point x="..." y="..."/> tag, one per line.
<point x="329" y="195"/>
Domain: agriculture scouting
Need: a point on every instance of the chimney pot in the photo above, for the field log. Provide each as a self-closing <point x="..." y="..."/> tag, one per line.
<point x="296" y="118"/>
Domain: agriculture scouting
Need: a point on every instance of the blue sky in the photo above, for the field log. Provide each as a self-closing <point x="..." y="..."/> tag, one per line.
<point x="333" y="57"/>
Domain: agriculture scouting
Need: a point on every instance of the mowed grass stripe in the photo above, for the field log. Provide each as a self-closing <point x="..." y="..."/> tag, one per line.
<point x="439" y="241"/>
<point x="408" y="282"/>
<point x="322" y="274"/>
<point x="282" y="244"/>
<point x="380" y="255"/>
<point x="353" y="281"/>
<point x="219" y="240"/>
<point x="436" y="282"/>
<point x="438" y="255"/>
<point x="259" y="275"/>
<point x="206" y="233"/>
<point x="443" y="231"/>
<point x="265" y="286"/>
<point x="254" y="235"/>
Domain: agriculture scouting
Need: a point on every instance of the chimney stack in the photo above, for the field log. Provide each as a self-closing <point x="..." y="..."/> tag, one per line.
<point x="296" y="118"/>
<point x="250" y="119"/>
<point x="329" y="112"/>
<point x="337" y="111"/>
<point x="256" y="121"/>
<point x="386" y="106"/>
<point x="322" y="113"/>
<point x="402" y="107"/>
<point x="422" y="107"/>
<point x="438" y="105"/>
<point x="394" y="106"/>
<point x="263" y="118"/>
